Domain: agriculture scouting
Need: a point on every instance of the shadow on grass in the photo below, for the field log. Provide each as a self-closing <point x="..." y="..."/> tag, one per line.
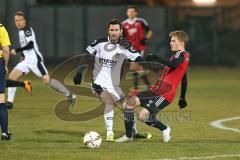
<point x="57" y="132"/>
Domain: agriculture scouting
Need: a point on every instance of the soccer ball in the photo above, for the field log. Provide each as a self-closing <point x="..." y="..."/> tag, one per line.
<point x="92" y="139"/>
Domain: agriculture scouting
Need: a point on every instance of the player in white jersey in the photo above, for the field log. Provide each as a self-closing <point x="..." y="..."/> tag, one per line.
<point x="32" y="61"/>
<point x="110" y="53"/>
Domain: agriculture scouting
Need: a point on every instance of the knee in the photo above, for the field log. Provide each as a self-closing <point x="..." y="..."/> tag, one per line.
<point x="2" y="98"/>
<point x="46" y="80"/>
<point x="129" y="105"/>
<point x="143" y="117"/>
<point x="12" y="76"/>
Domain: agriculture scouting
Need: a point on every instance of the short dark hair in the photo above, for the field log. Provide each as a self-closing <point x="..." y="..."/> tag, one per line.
<point x="132" y="7"/>
<point x="115" y="21"/>
<point x="20" y="13"/>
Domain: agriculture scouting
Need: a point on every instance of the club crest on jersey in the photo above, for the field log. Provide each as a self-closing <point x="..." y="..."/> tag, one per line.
<point x="127" y="26"/>
<point x="28" y="33"/>
<point x="95" y="41"/>
<point x="109" y="47"/>
<point x="133" y="50"/>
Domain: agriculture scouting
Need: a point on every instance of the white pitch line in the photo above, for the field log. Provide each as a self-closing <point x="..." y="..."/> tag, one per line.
<point x="207" y="157"/>
<point x="218" y="124"/>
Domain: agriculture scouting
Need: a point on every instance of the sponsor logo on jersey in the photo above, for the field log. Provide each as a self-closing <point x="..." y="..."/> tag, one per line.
<point x="107" y="62"/>
<point x="132" y="31"/>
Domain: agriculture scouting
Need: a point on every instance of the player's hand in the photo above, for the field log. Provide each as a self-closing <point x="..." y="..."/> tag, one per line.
<point x="143" y="41"/>
<point x="77" y="79"/>
<point x="182" y="103"/>
<point x="13" y="52"/>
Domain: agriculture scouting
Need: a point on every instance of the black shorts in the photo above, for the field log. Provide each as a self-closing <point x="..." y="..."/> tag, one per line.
<point x="97" y="89"/>
<point x="2" y="83"/>
<point x="152" y="102"/>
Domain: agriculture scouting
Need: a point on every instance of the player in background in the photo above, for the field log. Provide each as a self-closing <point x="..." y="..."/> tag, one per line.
<point x="33" y="61"/>
<point x="153" y="101"/>
<point x="4" y="57"/>
<point x="109" y="53"/>
<point x="137" y="31"/>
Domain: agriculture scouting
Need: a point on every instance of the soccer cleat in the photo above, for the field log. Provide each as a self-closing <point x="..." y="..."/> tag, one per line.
<point x="6" y="137"/>
<point x="166" y="134"/>
<point x="110" y="137"/>
<point x="133" y="92"/>
<point x="9" y="105"/>
<point x="28" y="86"/>
<point x="124" y="138"/>
<point x="72" y="99"/>
<point x="145" y="135"/>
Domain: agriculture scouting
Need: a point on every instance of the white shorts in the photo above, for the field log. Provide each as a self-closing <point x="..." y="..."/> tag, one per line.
<point x="37" y="67"/>
<point x="116" y="92"/>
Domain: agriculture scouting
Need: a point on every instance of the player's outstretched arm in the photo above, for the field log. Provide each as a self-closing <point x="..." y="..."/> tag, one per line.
<point x="147" y="64"/>
<point x="182" y="103"/>
<point x="166" y="62"/>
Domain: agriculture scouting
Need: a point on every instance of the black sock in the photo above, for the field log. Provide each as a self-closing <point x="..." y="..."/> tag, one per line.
<point x="12" y="83"/>
<point x="135" y="80"/>
<point x="4" y="118"/>
<point x="145" y="80"/>
<point x="154" y="122"/>
<point x="129" y="120"/>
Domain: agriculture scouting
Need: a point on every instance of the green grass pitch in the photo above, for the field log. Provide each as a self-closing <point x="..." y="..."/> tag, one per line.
<point x="213" y="94"/>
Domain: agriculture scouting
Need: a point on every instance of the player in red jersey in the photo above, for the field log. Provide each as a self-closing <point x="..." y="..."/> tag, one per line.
<point x="163" y="92"/>
<point x="137" y="31"/>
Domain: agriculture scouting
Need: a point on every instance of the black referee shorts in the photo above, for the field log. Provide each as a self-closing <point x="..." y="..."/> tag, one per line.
<point x="152" y="102"/>
<point x="2" y="83"/>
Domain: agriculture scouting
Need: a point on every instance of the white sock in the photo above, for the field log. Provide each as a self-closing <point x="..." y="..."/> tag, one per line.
<point x="135" y="125"/>
<point x="108" y="117"/>
<point x="11" y="94"/>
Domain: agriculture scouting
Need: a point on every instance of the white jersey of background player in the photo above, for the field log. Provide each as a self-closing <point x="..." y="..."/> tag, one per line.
<point x="26" y="38"/>
<point x="33" y="61"/>
<point x="110" y="53"/>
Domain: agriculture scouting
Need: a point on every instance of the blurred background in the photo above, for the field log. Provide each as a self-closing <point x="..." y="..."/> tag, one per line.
<point x="65" y="27"/>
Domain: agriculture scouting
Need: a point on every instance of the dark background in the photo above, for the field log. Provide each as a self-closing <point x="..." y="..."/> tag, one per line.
<point x="65" y="27"/>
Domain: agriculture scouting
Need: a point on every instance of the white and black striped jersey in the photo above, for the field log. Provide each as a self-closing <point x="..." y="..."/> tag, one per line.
<point x="27" y="35"/>
<point x="109" y="58"/>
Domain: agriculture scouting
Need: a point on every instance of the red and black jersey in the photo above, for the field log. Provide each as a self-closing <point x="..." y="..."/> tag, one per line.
<point x="134" y="31"/>
<point x="171" y="77"/>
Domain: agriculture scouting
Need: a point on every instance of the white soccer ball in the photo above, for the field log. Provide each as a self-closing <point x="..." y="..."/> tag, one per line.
<point x="92" y="139"/>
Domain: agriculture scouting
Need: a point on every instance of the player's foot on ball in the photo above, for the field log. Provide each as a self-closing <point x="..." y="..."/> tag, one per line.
<point x="72" y="99"/>
<point x="28" y="86"/>
<point x="166" y="134"/>
<point x="110" y="137"/>
<point x="124" y="138"/>
<point x="133" y="92"/>
<point x="6" y="137"/>
<point x="9" y="105"/>
<point x="142" y="135"/>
